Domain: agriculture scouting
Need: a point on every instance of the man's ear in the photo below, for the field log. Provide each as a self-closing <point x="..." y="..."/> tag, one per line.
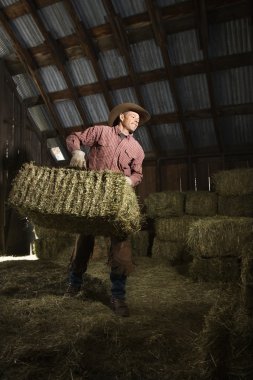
<point x="121" y="116"/>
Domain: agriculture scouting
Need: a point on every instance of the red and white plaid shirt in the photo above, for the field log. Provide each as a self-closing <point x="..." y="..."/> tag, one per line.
<point x="109" y="150"/>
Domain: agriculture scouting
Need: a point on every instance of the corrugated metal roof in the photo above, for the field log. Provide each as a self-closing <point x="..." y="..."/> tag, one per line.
<point x="52" y="79"/>
<point x="129" y="7"/>
<point x="112" y="64"/>
<point x="5" y="44"/>
<point x="157" y="97"/>
<point x="202" y="133"/>
<point x="95" y="108"/>
<point x="25" y="86"/>
<point x="193" y="92"/>
<point x="91" y="12"/>
<point x="236" y="130"/>
<point x="141" y="53"/>
<point x="6" y="3"/>
<point x="124" y="95"/>
<point x="68" y="113"/>
<point x="142" y="136"/>
<point x="233" y="86"/>
<point x="81" y="71"/>
<point x="168" y="137"/>
<point x="231" y="37"/>
<point x="183" y="47"/>
<point x="40" y="117"/>
<point x="165" y="3"/>
<point x="57" y="20"/>
<point x="26" y="31"/>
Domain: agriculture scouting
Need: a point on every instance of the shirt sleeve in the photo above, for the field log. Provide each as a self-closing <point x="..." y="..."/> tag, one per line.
<point x="87" y="138"/>
<point x="136" y="169"/>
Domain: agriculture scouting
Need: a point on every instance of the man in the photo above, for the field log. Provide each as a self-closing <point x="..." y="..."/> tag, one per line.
<point x="112" y="147"/>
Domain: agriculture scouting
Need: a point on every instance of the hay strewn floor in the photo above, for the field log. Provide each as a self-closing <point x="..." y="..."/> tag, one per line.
<point x="44" y="336"/>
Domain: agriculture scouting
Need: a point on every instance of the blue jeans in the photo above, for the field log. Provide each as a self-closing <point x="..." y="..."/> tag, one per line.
<point x="118" y="281"/>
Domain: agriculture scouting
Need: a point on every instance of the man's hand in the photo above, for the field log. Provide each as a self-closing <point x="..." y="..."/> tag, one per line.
<point x="78" y="159"/>
<point x="129" y="181"/>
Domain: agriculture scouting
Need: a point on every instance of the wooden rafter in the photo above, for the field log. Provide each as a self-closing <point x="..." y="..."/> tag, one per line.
<point x="57" y="53"/>
<point x="31" y="67"/>
<point x="89" y="49"/>
<point x="201" y="16"/>
<point x="123" y="46"/>
<point x="160" y="37"/>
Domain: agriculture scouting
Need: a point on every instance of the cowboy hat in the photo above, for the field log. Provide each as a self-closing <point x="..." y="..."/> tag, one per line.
<point x="124" y="107"/>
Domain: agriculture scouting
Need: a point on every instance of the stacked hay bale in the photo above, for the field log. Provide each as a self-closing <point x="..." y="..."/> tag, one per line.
<point x="224" y="348"/>
<point x="235" y="192"/>
<point x="53" y="245"/>
<point x="218" y="243"/>
<point x="75" y="201"/>
<point x="174" y="212"/>
<point x="166" y="208"/>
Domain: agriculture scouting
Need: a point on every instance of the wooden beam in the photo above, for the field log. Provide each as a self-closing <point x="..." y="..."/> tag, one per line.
<point x="201" y="19"/>
<point x="123" y="46"/>
<point x="31" y="68"/>
<point x="89" y="49"/>
<point x="160" y="37"/>
<point x="57" y="53"/>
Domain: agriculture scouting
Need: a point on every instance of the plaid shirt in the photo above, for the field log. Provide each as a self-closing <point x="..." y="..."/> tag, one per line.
<point x="109" y="150"/>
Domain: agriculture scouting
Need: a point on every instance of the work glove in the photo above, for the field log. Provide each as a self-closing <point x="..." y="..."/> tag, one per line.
<point x="129" y="181"/>
<point x="78" y="159"/>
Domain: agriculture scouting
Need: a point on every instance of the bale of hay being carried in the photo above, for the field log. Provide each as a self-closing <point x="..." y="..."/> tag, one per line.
<point x="76" y="201"/>
<point x="233" y="182"/>
<point x="164" y="204"/>
<point x="201" y="203"/>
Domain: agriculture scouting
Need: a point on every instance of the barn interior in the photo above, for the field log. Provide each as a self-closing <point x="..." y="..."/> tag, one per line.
<point x="64" y="64"/>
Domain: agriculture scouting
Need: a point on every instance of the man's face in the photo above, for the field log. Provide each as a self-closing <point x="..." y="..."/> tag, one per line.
<point x="130" y="121"/>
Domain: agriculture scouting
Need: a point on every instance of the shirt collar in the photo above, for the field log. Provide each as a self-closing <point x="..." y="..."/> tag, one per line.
<point x="118" y="131"/>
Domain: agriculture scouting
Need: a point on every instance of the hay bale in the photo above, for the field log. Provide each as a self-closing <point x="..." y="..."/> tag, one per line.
<point x="224" y="348"/>
<point x="140" y="243"/>
<point x="216" y="269"/>
<point x="75" y="201"/>
<point x="201" y="203"/>
<point x="233" y="182"/>
<point x="53" y="245"/>
<point x="219" y="236"/>
<point x="172" y="251"/>
<point x="247" y="264"/>
<point x="164" y="204"/>
<point x="174" y="229"/>
<point x="241" y="205"/>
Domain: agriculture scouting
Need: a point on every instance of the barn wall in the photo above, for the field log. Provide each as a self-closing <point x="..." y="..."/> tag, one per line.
<point x="187" y="174"/>
<point x="19" y="143"/>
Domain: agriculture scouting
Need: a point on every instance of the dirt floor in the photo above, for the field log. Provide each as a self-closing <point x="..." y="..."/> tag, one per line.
<point x="46" y="336"/>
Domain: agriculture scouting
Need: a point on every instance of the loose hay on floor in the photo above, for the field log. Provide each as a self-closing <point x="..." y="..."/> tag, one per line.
<point x="76" y="201"/>
<point x="47" y="337"/>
